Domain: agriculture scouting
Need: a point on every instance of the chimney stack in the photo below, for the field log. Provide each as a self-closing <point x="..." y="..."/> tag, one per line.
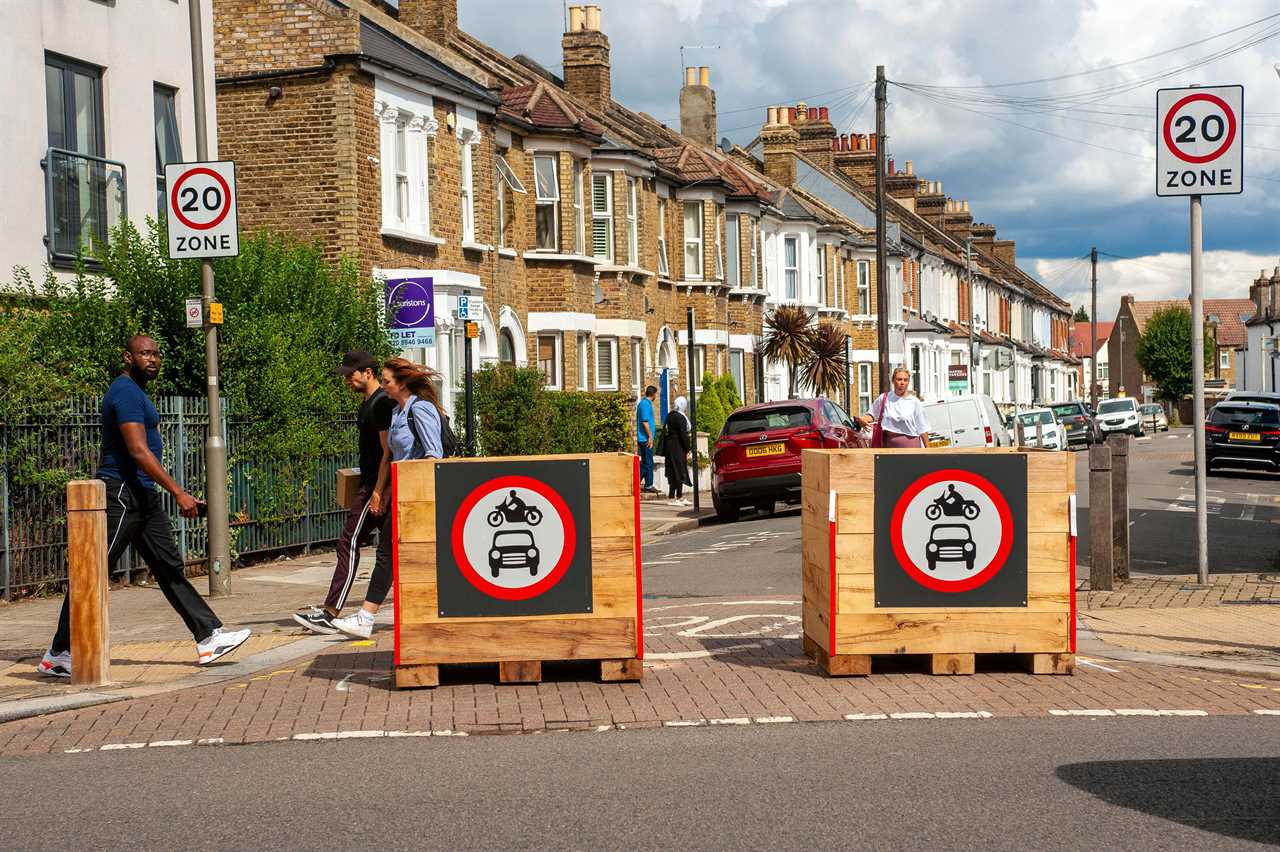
<point x="858" y="161"/>
<point x="780" y="139"/>
<point x="930" y="201"/>
<point x="435" y="19"/>
<point x="957" y="221"/>
<point x="698" y="106"/>
<point x="586" y="58"/>
<point x="817" y="135"/>
<point x="1274" y="284"/>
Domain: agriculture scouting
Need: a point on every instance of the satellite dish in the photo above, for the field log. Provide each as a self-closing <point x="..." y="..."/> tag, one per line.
<point x="725" y="144"/>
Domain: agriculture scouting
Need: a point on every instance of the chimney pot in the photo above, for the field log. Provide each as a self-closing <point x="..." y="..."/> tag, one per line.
<point x="791" y="115"/>
<point x="704" y="75"/>
<point x="835" y="143"/>
<point x="822" y="113"/>
<point x="871" y="137"/>
<point x="576" y="16"/>
<point x="802" y="111"/>
<point x="909" y="171"/>
<point x="593" y="18"/>
<point x="966" y="206"/>
<point x="891" y="171"/>
<point x="773" y="116"/>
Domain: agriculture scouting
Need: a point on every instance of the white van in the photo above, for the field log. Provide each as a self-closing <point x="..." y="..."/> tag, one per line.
<point x="970" y="420"/>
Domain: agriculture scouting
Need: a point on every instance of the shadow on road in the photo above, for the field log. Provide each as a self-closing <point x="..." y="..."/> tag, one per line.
<point x="1163" y="542"/>
<point x="1232" y="797"/>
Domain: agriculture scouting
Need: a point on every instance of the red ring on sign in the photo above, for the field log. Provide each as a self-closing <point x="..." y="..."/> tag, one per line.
<point x="1199" y="96"/>
<point x="226" y="195"/>
<point x="1002" y="551"/>
<point x="553" y="576"/>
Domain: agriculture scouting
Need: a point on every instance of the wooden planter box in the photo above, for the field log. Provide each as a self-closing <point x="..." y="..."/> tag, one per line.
<point x="859" y="599"/>
<point x="448" y="608"/>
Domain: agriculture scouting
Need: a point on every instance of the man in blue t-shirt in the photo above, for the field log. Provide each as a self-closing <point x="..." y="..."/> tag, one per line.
<point x="646" y="433"/>
<point x="130" y="466"/>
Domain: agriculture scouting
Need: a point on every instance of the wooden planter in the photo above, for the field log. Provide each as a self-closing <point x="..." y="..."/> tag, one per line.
<point x="859" y="600"/>
<point x="591" y="612"/>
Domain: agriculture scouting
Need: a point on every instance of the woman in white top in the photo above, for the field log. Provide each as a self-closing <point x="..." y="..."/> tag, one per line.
<point x="900" y="414"/>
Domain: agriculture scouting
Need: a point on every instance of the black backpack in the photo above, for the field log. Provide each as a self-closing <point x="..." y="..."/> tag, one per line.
<point x="449" y="442"/>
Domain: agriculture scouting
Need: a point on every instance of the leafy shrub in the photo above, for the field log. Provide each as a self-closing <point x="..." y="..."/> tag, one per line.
<point x="517" y="416"/>
<point x="711" y="412"/>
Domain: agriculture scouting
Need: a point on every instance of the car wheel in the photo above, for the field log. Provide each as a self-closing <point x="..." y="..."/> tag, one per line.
<point x="494" y="571"/>
<point x="727" y="512"/>
<point x="533" y="570"/>
<point x="766" y="507"/>
<point x="933" y="566"/>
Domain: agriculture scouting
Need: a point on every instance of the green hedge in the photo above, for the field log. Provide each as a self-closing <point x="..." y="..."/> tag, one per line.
<point x="515" y="416"/>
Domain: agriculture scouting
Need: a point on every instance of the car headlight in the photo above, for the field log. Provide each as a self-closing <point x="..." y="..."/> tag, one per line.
<point x="932" y="547"/>
<point x="494" y="554"/>
<point x="968" y="547"/>
<point x="532" y="553"/>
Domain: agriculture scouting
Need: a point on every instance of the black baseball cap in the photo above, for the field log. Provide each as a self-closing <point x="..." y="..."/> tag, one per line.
<point x="356" y="359"/>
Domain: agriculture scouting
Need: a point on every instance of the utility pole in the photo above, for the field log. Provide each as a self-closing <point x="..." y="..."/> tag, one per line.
<point x="882" y="272"/>
<point x="693" y="409"/>
<point x="1093" y="331"/>
<point x="1197" y="391"/>
<point x="215" y="449"/>
<point x="973" y="318"/>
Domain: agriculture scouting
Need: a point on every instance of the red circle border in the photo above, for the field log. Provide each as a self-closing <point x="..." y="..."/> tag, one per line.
<point x="1168" y="123"/>
<point x="226" y="194"/>
<point x="552" y="577"/>
<point x="1006" y="534"/>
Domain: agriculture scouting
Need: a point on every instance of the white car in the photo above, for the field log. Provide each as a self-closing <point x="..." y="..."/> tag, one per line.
<point x="1119" y="415"/>
<point x="1153" y="416"/>
<point x="969" y="420"/>
<point x="1050" y="429"/>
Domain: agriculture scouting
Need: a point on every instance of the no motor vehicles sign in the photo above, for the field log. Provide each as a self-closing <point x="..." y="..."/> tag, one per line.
<point x="1200" y="141"/>
<point x="201" y="208"/>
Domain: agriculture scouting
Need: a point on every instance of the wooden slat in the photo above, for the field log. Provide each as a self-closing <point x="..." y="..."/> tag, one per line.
<point x="1053" y="664"/>
<point x="611" y="597"/>
<point x="612" y="671"/>
<point x="86" y="495"/>
<point x="951" y="632"/>
<point x="520" y="671"/>
<point x="1048" y="513"/>
<point x="952" y="664"/>
<point x="87" y="582"/>
<point x="853" y="472"/>
<point x="612" y="517"/>
<point x="418" y="675"/>
<point x="1051" y="472"/>
<point x="816" y="624"/>
<point x="816" y="586"/>
<point x="416" y="521"/>
<point x="416" y="481"/>
<point x="855" y="513"/>
<point x="855" y="554"/>
<point x="842" y="665"/>
<point x="496" y="640"/>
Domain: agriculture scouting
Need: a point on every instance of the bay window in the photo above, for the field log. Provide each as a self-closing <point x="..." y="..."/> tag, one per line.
<point x="602" y="215"/>
<point x="633" y="236"/>
<point x="790" y="266"/>
<point x="547" y="202"/>
<point x="693" y="240"/>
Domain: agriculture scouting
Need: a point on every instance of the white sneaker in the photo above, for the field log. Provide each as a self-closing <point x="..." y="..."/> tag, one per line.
<point x="355" y="625"/>
<point x="219" y="644"/>
<point x="55" y="665"/>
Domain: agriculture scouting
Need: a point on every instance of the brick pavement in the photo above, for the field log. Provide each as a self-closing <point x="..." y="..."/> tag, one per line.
<point x="1168" y="591"/>
<point x="708" y="662"/>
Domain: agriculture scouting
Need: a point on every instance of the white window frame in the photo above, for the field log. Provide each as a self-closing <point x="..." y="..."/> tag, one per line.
<point x="864" y="387"/>
<point x="637" y="365"/>
<point x="664" y="267"/>
<point x="633" y="234"/>
<point x="737" y="369"/>
<point x="692" y="241"/>
<point x="506" y="178"/>
<point x="1224" y="359"/>
<point x="719" y="226"/>
<point x="544" y="201"/>
<point x="407" y="123"/>
<point x="557" y="380"/>
<point x="466" y="187"/>
<point x="699" y="366"/>
<point x="864" y="288"/>
<point x="755" y="251"/>
<point x="791" y="273"/>
<point x="821" y="261"/>
<point x="838" y="282"/>
<point x="580" y="227"/>
<point x="602" y="218"/>
<point x="584" y="362"/>
<point x="733" y="259"/>
<point x="609" y="382"/>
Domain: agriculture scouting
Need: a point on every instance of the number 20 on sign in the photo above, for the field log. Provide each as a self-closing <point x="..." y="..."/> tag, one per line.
<point x="200" y="201"/>
<point x="1200" y="141"/>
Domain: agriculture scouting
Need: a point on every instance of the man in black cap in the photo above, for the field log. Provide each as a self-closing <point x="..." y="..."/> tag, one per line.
<point x="368" y="512"/>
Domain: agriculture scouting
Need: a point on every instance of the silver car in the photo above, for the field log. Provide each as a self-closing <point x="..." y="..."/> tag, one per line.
<point x="1153" y="417"/>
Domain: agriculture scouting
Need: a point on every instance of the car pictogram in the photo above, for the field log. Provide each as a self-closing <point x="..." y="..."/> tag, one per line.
<point x="950" y="543"/>
<point x="513" y="549"/>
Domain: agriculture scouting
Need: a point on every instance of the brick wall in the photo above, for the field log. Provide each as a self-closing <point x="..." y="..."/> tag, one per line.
<point x="251" y="36"/>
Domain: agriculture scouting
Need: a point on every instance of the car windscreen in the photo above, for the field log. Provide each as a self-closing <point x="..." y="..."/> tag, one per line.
<point x="1244" y="397"/>
<point x="765" y="419"/>
<point x="519" y="538"/>
<point x="1229" y="415"/>
<point x="1112" y="406"/>
<point x="1034" y="417"/>
<point x="1151" y="409"/>
<point x="1072" y="410"/>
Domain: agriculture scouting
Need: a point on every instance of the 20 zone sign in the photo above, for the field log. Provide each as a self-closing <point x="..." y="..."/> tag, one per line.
<point x="1200" y="141"/>
<point x="201" y="207"/>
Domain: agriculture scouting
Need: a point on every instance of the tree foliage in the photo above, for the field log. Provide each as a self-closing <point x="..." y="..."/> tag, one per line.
<point x="786" y="339"/>
<point x="1081" y="315"/>
<point x="711" y="412"/>
<point x="826" y="366"/>
<point x="516" y="416"/>
<point x="1163" y="352"/>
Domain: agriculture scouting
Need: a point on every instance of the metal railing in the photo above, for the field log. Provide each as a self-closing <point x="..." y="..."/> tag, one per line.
<point x="40" y="452"/>
<point x="85" y="198"/>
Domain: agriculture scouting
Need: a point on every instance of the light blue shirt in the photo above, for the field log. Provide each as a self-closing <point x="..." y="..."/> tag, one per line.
<point x="401" y="439"/>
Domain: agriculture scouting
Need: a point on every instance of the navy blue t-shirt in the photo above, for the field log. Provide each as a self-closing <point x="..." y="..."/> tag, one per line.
<point x="126" y="402"/>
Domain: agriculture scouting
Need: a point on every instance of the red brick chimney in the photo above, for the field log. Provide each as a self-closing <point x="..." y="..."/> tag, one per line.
<point x="957" y="221"/>
<point x="984" y="238"/>
<point x="435" y="19"/>
<point x="902" y="185"/>
<point x="816" y="135"/>
<point x="698" y="106"/>
<point x="1004" y="250"/>
<point x="586" y="58"/>
<point x="780" y="139"/>
<point x="859" y="160"/>
<point x="930" y="201"/>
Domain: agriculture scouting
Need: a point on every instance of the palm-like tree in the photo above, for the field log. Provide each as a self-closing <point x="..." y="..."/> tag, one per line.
<point x="826" y="366"/>
<point x="786" y="339"/>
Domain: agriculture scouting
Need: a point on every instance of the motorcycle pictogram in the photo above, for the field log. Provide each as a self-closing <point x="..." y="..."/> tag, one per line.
<point x="951" y="504"/>
<point x="515" y="511"/>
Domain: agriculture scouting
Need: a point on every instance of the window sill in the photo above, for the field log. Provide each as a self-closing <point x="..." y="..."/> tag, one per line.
<point x="862" y="317"/>
<point x="748" y="291"/>
<point x="627" y="270"/>
<point x="556" y="256"/>
<point x="506" y="252"/>
<point x="410" y="236"/>
<point x="476" y="247"/>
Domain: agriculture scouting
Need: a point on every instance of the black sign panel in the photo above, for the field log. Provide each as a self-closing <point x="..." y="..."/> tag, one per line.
<point x="951" y="530"/>
<point x="513" y="538"/>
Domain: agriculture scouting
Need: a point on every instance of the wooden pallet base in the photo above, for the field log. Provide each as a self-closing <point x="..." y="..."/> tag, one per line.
<point x="415" y="675"/>
<point x="860" y="665"/>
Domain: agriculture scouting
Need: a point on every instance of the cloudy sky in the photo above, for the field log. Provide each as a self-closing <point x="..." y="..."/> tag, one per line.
<point x="1056" y="196"/>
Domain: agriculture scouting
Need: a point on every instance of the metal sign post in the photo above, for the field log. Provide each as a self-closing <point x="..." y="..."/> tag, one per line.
<point x="1199" y="151"/>
<point x="693" y="410"/>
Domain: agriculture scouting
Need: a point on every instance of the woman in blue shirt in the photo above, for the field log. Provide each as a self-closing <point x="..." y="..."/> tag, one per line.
<point x="415" y="433"/>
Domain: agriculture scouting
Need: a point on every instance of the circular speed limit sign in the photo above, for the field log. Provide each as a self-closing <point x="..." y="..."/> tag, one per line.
<point x="201" y="206"/>
<point x="1199" y="141"/>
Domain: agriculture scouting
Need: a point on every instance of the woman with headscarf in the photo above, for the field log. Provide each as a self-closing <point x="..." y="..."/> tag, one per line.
<point x="675" y="447"/>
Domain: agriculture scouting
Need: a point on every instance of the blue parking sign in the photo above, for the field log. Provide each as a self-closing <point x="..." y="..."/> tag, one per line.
<point x="411" y="315"/>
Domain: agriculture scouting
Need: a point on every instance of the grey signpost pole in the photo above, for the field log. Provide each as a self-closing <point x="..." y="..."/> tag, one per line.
<point x="1197" y="392"/>
<point x="215" y="447"/>
<point x="693" y="410"/>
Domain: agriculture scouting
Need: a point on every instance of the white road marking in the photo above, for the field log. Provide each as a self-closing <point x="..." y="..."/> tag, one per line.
<point x="169" y="743"/>
<point x="685" y="723"/>
<point x="1267" y="712"/>
<point x="1250" y="508"/>
<point x="1082" y="661"/>
<point x="773" y="720"/>
<point x="119" y="746"/>
<point x="865" y="717"/>
<point x="1082" y="712"/>
<point x="741" y="720"/>
<point x="649" y="563"/>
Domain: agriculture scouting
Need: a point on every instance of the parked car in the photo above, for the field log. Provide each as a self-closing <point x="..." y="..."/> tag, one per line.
<point x="756" y="459"/>
<point x="1077" y="423"/>
<point x="1119" y="414"/>
<point x="1050" y="431"/>
<point x="971" y="420"/>
<point x="1243" y="434"/>
<point x="1253" y="396"/>
<point x="1153" y="416"/>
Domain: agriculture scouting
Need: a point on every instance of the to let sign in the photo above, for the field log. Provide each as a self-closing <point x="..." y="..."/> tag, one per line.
<point x="1200" y="141"/>
<point x="200" y="201"/>
<point x="411" y="312"/>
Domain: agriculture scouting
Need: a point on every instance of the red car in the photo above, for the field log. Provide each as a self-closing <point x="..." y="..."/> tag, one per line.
<point x="756" y="460"/>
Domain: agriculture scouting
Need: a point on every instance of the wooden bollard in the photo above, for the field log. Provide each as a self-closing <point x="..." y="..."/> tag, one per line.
<point x="1101" y="540"/>
<point x="87" y="581"/>
<point x="1120" y="447"/>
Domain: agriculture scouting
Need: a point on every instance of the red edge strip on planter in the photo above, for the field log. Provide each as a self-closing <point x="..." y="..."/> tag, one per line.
<point x="1071" y="564"/>
<point x="635" y="475"/>
<point x="831" y="594"/>
<point x="395" y="552"/>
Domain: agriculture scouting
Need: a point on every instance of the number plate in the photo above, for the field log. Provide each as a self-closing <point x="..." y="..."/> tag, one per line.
<point x="1244" y="436"/>
<point x="766" y="450"/>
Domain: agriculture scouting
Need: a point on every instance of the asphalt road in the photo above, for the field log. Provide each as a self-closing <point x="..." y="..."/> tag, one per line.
<point x="1243" y="511"/>
<point x="1148" y="784"/>
<point x="757" y="555"/>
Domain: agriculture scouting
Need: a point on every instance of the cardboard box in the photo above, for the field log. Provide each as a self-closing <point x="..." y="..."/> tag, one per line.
<point x="348" y="484"/>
